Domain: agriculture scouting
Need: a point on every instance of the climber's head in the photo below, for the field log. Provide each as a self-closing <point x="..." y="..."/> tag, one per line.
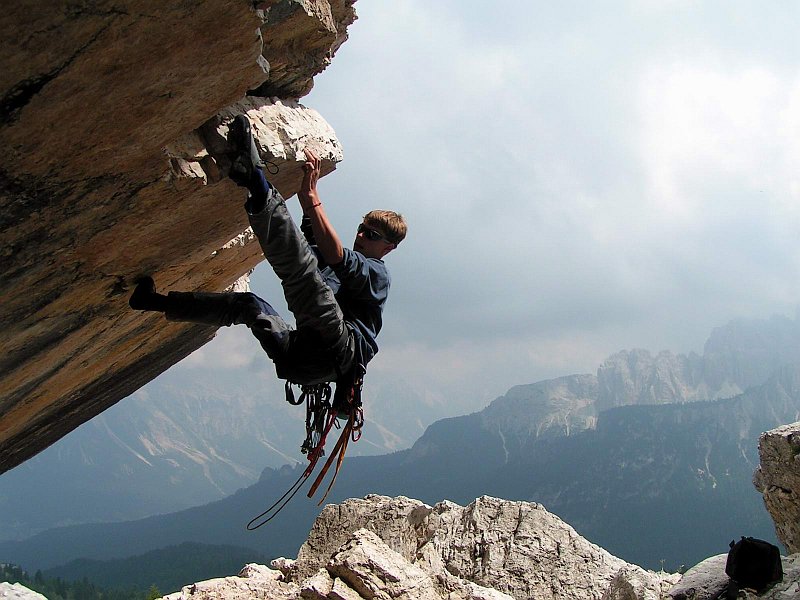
<point x="380" y="233"/>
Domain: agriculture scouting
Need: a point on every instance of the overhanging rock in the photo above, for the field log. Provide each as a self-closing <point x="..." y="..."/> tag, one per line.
<point x="113" y="119"/>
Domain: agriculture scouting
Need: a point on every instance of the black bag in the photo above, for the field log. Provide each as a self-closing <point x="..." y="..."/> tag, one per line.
<point x="754" y="564"/>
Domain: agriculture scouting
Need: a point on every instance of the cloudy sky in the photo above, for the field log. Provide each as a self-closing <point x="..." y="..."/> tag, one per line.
<point x="578" y="178"/>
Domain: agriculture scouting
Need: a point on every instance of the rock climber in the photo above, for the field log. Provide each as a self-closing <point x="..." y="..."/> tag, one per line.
<point x="336" y="294"/>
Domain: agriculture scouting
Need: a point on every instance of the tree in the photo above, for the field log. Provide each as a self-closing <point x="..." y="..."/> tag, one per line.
<point x="153" y="593"/>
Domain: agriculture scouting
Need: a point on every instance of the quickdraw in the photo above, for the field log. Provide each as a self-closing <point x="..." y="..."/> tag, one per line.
<point x="321" y="416"/>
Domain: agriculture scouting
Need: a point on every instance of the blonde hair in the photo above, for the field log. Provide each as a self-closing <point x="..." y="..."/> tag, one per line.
<point x="391" y="224"/>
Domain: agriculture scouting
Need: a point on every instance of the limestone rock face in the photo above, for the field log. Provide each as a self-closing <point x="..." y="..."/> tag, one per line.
<point x="634" y="583"/>
<point x="516" y="548"/>
<point x="113" y="119"/>
<point x="705" y="580"/>
<point x="370" y="568"/>
<point x="737" y="356"/>
<point x="778" y="479"/>
<point x="401" y="549"/>
<point x="254" y="581"/>
<point x="395" y="520"/>
<point x="547" y="409"/>
<point x="323" y="28"/>
<point x="637" y="377"/>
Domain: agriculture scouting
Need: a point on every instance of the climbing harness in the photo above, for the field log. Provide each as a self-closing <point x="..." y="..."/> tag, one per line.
<point x="322" y="415"/>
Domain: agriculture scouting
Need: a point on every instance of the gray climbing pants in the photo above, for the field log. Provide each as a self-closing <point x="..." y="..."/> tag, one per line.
<point x="322" y="346"/>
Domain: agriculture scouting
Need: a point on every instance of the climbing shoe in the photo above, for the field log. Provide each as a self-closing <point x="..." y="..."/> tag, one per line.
<point x="245" y="159"/>
<point x="144" y="297"/>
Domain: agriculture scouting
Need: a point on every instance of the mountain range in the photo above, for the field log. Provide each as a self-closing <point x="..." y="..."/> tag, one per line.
<point x="664" y="481"/>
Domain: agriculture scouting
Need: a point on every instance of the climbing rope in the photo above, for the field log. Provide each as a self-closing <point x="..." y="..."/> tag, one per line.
<point x="321" y="417"/>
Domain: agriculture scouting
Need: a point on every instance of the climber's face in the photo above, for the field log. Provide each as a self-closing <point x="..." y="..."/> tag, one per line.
<point x="371" y="242"/>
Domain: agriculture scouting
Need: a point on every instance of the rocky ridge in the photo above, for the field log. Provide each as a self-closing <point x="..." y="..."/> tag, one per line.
<point x="739" y="355"/>
<point x="398" y="548"/>
<point x="381" y="547"/>
<point x="114" y="166"/>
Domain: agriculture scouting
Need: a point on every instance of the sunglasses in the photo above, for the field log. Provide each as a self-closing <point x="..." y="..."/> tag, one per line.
<point x="371" y="234"/>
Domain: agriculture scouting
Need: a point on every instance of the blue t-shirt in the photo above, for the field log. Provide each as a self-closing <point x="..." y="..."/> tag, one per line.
<point x="361" y="286"/>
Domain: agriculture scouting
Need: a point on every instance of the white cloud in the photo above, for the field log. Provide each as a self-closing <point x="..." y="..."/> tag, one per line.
<point x="232" y="348"/>
<point x="703" y="127"/>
